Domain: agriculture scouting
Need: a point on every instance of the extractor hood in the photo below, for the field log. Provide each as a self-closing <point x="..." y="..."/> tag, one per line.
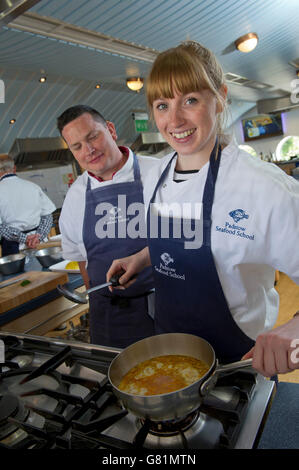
<point x="11" y="9"/>
<point x="151" y="144"/>
<point x="38" y="151"/>
<point x="276" y="105"/>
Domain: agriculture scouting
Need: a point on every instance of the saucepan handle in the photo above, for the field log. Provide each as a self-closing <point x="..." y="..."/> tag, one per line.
<point x="210" y="382"/>
<point x="223" y="368"/>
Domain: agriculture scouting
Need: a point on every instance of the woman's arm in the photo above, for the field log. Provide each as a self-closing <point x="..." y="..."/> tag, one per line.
<point x="277" y="351"/>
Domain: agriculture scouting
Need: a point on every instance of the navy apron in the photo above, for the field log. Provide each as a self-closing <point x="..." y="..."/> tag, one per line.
<point x="189" y="296"/>
<point x="116" y="319"/>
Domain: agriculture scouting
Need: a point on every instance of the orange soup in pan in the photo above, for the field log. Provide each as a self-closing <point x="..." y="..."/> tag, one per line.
<point x="163" y="374"/>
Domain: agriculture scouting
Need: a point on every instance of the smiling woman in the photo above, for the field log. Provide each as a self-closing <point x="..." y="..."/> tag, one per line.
<point x="187" y="93"/>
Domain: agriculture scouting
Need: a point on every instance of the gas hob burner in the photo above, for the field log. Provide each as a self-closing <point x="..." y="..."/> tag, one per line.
<point x="171" y="427"/>
<point x="10" y="407"/>
<point x="195" y="431"/>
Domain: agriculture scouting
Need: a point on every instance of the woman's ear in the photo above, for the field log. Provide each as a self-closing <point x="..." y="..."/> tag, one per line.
<point x="223" y="94"/>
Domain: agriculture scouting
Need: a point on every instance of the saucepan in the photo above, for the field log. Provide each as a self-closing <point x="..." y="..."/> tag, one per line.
<point x="177" y="404"/>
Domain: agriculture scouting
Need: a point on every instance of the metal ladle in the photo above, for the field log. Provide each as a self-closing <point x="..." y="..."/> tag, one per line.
<point x="82" y="297"/>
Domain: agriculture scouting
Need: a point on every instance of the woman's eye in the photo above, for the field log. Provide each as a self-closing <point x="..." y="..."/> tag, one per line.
<point x="161" y="106"/>
<point x="191" y="100"/>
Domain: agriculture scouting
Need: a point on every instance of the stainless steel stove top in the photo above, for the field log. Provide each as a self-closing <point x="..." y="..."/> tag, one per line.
<point x="55" y="394"/>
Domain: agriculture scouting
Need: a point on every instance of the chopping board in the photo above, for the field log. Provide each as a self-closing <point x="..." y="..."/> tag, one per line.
<point x="40" y="283"/>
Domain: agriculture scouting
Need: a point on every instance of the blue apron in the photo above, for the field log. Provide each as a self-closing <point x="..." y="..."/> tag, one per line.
<point x="115" y="319"/>
<point x="189" y="296"/>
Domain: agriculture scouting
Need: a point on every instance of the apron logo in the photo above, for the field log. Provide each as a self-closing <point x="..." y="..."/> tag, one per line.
<point x="238" y="214"/>
<point x="114" y="210"/>
<point x="166" y="258"/>
<point x="164" y="268"/>
<point x="237" y="230"/>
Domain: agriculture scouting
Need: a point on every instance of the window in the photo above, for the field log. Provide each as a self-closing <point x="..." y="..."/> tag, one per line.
<point x="288" y="147"/>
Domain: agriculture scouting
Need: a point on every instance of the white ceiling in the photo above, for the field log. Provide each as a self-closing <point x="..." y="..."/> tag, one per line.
<point x="79" y="43"/>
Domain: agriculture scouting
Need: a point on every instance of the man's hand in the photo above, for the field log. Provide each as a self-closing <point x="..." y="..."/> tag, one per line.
<point x="277" y="351"/>
<point x="32" y="240"/>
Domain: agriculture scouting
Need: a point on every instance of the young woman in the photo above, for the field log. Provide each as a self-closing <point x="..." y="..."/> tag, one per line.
<point x="221" y="285"/>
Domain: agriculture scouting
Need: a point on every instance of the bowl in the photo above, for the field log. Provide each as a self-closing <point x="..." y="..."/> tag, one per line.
<point x="12" y="264"/>
<point x="49" y="256"/>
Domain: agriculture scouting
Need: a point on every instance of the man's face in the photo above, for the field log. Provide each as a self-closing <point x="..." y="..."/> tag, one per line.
<point x="93" y="145"/>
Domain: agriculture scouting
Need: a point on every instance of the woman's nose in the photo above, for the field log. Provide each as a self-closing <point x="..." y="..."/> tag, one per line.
<point x="176" y="118"/>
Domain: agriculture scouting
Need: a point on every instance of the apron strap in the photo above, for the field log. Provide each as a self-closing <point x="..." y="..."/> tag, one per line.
<point x="209" y="192"/>
<point x="136" y="169"/>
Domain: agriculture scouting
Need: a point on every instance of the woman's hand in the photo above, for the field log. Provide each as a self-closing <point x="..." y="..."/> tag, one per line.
<point x="277" y="351"/>
<point x="132" y="265"/>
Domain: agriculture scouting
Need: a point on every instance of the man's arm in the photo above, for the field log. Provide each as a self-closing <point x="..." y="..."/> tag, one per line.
<point x="12" y="234"/>
<point x="45" y="225"/>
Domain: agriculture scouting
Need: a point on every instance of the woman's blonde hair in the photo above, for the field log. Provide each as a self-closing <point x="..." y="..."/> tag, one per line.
<point x="186" y="68"/>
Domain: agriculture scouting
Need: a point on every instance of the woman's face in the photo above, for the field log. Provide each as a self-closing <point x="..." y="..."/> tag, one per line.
<point x="188" y="122"/>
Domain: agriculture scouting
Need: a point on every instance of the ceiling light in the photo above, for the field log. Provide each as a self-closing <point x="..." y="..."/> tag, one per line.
<point x="98" y="86"/>
<point x="12" y="121"/>
<point x="247" y="42"/>
<point x="42" y="79"/>
<point x="135" y="83"/>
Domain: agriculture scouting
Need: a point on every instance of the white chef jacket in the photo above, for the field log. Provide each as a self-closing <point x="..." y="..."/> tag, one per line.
<point x="263" y="237"/>
<point x="22" y="203"/>
<point x="72" y="213"/>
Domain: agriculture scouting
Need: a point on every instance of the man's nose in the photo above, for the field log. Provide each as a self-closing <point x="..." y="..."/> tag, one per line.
<point x="89" y="148"/>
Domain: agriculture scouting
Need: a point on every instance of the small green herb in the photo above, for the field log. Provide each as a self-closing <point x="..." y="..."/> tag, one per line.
<point x="25" y="283"/>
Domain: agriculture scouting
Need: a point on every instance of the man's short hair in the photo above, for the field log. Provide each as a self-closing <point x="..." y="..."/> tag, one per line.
<point x="76" y="111"/>
<point x="7" y="163"/>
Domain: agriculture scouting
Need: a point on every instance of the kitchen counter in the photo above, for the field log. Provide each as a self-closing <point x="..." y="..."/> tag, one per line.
<point x="281" y="430"/>
<point x="44" y="312"/>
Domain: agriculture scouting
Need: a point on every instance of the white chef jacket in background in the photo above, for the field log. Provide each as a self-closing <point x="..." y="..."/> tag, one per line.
<point x="23" y="203"/>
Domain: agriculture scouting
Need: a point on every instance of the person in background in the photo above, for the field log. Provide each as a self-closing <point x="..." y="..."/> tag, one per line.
<point x="219" y="284"/>
<point x="25" y="210"/>
<point x="111" y="172"/>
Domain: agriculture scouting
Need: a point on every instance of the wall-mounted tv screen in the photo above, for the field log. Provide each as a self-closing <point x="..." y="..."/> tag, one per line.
<point x="262" y="126"/>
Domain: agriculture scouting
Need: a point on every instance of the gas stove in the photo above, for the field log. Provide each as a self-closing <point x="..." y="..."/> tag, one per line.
<point x="56" y="395"/>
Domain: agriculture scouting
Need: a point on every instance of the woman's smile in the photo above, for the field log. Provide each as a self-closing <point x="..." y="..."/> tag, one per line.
<point x="183" y="134"/>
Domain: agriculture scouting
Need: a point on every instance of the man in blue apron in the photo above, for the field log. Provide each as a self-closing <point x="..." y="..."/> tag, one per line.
<point x="94" y="225"/>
